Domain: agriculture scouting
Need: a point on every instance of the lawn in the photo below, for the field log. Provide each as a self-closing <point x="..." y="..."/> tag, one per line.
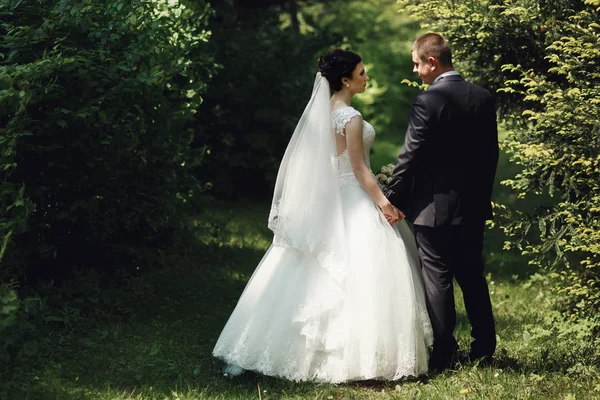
<point x="157" y="344"/>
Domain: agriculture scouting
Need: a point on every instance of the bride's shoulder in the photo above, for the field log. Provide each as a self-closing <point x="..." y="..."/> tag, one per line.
<point x="344" y="109"/>
<point x="342" y="116"/>
<point x="345" y="113"/>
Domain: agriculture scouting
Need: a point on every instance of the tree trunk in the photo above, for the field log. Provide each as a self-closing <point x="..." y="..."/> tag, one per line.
<point x="294" y="16"/>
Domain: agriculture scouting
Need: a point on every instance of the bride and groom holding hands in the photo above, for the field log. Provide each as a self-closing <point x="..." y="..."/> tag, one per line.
<point x="347" y="291"/>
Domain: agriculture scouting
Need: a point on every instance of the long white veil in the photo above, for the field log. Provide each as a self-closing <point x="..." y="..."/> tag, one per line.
<point x="306" y="213"/>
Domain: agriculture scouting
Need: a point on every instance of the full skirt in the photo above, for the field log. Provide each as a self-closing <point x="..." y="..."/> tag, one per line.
<point x="297" y="321"/>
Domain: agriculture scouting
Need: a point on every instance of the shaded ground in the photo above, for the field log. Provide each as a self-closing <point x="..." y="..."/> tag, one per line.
<point x="157" y="344"/>
<point x="162" y="350"/>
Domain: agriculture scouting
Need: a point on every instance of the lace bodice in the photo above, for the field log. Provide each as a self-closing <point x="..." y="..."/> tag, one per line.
<point x="340" y="118"/>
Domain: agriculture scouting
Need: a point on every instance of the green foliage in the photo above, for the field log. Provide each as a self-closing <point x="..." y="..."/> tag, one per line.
<point x="20" y="320"/>
<point x="257" y="97"/>
<point x="97" y="102"/>
<point x="485" y="35"/>
<point x="545" y="57"/>
<point x="571" y="341"/>
<point x="383" y="38"/>
<point x="96" y="105"/>
<point x="254" y="102"/>
<point x="560" y="153"/>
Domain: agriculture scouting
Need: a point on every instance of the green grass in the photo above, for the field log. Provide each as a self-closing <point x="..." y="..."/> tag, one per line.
<point x="160" y="347"/>
<point x="162" y="350"/>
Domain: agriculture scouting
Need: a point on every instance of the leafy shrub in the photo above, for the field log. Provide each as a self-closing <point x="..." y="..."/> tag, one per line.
<point x="96" y="100"/>
<point x="560" y="153"/>
<point x="486" y="35"/>
<point x="558" y="343"/>
<point x="20" y="321"/>
<point x="254" y="102"/>
<point x="544" y="59"/>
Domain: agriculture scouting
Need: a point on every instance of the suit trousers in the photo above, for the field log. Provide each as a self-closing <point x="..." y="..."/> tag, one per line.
<point x="455" y="251"/>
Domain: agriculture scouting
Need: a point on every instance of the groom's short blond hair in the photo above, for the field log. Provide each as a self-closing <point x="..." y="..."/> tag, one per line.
<point x="433" y="45"/>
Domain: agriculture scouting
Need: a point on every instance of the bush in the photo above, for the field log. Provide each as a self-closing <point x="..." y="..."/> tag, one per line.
<point x="554" y="81"/>
<point x="485" y="35"/>
<point x="560" y="154"/>
<point x="20" y="322"/>
<point x="96" y="101"/>
<point x="254" y="102"/>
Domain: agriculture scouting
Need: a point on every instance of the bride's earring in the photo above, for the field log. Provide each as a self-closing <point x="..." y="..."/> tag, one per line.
<point x="347" y="85"/>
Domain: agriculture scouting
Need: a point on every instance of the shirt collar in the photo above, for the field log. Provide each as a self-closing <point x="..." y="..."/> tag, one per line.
<point x="447" y="73"/>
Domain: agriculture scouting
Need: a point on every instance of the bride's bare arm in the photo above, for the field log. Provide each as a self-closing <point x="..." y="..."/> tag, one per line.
<point x="354" y="143"/>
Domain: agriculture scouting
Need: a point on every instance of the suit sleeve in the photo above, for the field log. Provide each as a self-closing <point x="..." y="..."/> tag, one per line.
<point x="492" y="145"/>
<point x="410" y="154"/>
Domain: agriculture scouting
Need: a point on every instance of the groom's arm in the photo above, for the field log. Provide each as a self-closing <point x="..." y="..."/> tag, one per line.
<point x="491" y="149"/>
<point x="414" y="141"/>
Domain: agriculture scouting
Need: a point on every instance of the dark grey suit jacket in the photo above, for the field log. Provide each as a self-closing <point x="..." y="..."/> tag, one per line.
<point x="445" y="171"/>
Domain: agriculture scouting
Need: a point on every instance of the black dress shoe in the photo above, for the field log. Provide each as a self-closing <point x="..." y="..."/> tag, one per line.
<point x="481" y="360"/>
<point x="441" y="360"/>
<point x="439" y="364"/>
<point x="465" y="358"/>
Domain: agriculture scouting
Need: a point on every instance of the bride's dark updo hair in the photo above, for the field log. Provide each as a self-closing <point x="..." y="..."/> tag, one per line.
<point x="337" y="64"/>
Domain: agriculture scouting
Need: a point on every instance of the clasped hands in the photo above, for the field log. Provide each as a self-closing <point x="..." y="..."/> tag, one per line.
<point x="392" y="214"/>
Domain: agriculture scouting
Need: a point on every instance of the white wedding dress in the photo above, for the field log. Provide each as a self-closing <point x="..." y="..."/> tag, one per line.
<point x="297" y="320"/>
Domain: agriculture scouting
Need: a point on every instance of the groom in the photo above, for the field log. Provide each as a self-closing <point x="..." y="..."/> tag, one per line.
<point x="443" y="183"/>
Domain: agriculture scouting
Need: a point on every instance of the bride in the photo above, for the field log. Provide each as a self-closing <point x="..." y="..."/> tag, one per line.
<point x="338" y="296"/>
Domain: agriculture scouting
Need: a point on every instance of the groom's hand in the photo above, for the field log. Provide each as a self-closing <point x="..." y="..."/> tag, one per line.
<point x="402" y="216"/>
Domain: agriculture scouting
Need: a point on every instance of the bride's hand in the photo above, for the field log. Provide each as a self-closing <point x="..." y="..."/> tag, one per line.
<point x="391" y="220"/>
<point x="392" y="214"/>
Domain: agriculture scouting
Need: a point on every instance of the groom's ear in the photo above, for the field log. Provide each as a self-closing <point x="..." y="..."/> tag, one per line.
<point x="433" y="62"/>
